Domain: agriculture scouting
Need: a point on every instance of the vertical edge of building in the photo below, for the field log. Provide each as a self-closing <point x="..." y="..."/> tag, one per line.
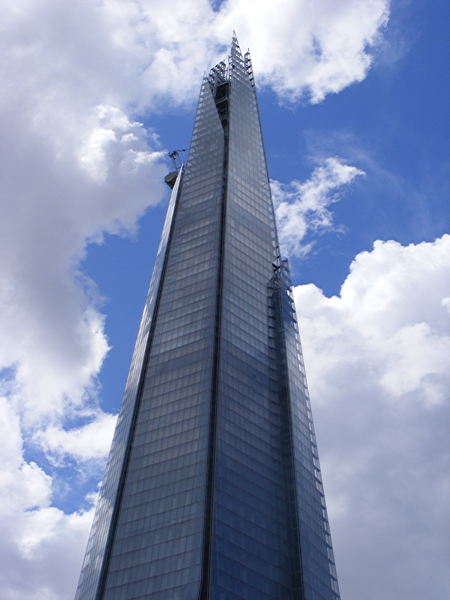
<point x="93" y="563"/>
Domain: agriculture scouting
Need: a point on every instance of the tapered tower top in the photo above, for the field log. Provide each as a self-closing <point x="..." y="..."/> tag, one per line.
<point x="235" y="62"/>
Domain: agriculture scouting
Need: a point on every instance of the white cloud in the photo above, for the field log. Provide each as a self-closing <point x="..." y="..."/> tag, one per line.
<point x="56" y="204"/>
<point x="88" y="442"/>
<point x="303" y="207"/>
<point x="378" y="364"/>
<point x="307" y="48"/>
<point x="41" y="546"/>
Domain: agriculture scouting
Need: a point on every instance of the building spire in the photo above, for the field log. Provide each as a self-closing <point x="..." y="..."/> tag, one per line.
<point x="235" y="48"/>
<point x="239" y="63"/>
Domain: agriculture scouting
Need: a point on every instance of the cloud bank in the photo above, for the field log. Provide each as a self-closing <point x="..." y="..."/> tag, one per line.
<point x="308" y="49"/>
<point x="378" y="364"/>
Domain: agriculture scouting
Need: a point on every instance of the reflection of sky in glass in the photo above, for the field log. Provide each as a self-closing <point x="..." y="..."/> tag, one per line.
<point x="244" y="429"/>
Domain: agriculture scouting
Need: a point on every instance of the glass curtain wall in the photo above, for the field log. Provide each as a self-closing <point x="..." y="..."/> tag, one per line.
<point x="213" y="488"/>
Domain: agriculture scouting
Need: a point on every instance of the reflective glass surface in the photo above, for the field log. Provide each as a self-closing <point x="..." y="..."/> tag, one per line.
<point x="252" y="548"/>
<point x="270" y="525"/>
<point x="95" y="553"/>
<point x="157" y="545"/>
<point x="213" y="488"/>
<point x="318" y="572"/>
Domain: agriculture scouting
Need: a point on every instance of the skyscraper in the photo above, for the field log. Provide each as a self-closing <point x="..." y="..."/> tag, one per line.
<point x="213" y="489"/>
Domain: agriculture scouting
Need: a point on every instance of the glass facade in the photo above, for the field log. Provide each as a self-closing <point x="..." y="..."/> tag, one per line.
<point x="213" y="488"/>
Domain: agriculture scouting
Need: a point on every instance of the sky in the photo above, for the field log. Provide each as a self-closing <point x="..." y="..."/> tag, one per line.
<point x="353" y="99"/>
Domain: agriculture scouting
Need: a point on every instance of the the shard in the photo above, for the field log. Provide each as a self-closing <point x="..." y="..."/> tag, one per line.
<point x="213" y="488"/>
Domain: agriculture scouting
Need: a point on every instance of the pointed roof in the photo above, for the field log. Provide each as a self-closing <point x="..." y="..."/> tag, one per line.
<point x="236" y="61"/>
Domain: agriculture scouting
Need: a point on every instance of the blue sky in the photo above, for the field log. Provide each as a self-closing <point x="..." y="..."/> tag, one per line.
<point x="353" y="101"/>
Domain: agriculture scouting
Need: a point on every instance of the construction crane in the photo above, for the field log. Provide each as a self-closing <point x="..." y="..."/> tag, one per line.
<point x="175" y="156"/>
<point x="171" y="177"/>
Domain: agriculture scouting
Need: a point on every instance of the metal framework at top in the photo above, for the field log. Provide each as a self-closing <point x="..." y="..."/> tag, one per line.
<point x="220" y="73"/>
